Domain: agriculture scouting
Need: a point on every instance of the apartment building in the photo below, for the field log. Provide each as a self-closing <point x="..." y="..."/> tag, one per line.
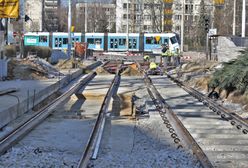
<point x="43" y="15"/>
<point x="50" y="15"/>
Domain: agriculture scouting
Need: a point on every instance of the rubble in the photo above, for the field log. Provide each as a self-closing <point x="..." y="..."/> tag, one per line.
<point x="31" y="69"/>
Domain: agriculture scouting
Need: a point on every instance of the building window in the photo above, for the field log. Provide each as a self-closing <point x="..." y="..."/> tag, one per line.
<point x="125" y="6"/>
<point x="125" y="16"/>
<point x="177" y="17"/>
<point x="147" y="17"/>
<point x="189" y="8"/>
<point x="146" y="6"/>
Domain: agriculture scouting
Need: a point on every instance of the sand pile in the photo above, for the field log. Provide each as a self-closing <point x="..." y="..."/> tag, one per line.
<point x="131" y="70"/>
<point x="101" y="71"/>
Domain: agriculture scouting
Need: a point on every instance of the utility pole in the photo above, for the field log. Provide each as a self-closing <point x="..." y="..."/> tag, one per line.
<point x="243" y="19"/>
<point x="234" y="17"/>
<point x="182" y="25"/>
<point x="127" y="25"/>
<point x="85" y="26"/>
<point x="69" y="29"/>
<point x="85" y="16"/>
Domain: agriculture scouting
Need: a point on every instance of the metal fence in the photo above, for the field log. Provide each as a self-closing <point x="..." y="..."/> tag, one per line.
<point x="3" y="69"/>
<point x="240" y="41"/>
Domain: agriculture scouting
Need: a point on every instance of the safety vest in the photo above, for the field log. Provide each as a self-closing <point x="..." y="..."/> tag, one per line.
<point x="153" y="65"/>
<point x="146" y="57"/>
<point x="168" y="53"/>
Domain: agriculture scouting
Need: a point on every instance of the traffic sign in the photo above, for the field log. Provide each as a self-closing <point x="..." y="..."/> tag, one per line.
<point x="212" y="32"/>
<point x="157" y="38"/>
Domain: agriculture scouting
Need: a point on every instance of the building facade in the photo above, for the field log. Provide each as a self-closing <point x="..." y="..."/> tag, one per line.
<point x="50" y="15"/>
<point x="43" y="15"/>
<point x="33" y="9"/>
<point x="95" y="17"/>
<point x="139" y="16"/>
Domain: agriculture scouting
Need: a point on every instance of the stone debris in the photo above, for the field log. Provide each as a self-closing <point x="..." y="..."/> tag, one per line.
<point x="35" y="68"/>
<point x="20" y="157"/>
<point x="227" y="50"/>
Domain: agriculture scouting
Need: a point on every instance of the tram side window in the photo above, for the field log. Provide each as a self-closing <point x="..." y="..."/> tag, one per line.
<point x="43" y="39"/>
<point x="173" y="40"/>
<point x="98" y="41"/>
<point x="122" y="42"/>
<point x="155" y="41"/>
<point x="90" y="41"/>
<point x="166" y="41"/>
<point x="65" y="40"/>
<point x="149" y="40"/>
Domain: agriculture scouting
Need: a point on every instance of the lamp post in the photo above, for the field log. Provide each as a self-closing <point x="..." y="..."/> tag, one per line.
<point x="243" y="18"/>
<point x="69" y="29"/>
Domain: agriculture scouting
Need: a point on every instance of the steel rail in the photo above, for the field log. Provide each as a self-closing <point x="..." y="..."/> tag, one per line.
<point x="171" y="119"/>
<point x="224" y="113"/>
<point x="90" y="147"/>
<point x="10" y="139"/>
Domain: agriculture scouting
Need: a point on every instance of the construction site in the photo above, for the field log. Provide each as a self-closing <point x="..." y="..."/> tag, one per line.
<point x="108" y="103"/>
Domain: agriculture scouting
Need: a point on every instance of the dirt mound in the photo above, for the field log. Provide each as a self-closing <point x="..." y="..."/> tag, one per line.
<point x="69" y="64"/>
<point x="101" y="71"/>
<point x="199" y="65"/>
<point x="131" y="70"/>
<point x="27" y="69"/>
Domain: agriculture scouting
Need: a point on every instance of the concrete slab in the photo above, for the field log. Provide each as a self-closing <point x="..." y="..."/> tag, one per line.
<point x="28" y="94"/>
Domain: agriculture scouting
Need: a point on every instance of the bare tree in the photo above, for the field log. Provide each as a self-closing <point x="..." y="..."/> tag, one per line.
<point x="155" y="9"/>
<point x="63" y="19"/>
<point x="223" y="16"/>
<point x="97" y="18"/>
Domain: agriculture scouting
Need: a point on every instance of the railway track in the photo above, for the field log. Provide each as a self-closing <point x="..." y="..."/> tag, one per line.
<point x="23" y="131"/>
<point x="12" y="137"/>
<point x="220" y="135"/>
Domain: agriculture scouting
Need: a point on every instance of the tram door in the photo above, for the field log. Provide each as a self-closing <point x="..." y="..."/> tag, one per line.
<point x="58" y="42"/>
<point x="132" y="43"/>
<point x="114" y="43"/>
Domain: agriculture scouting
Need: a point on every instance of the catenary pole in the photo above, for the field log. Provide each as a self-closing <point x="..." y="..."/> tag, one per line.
<point x="182" y="25"/>
<point x="127" y="25"/>
<point x="69" y="29"/>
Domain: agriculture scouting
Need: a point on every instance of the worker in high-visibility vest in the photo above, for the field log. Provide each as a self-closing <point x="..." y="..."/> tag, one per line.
<point x="153" y="66"/>
<point x="146" y="58"/>
<point x="154" y="69"/>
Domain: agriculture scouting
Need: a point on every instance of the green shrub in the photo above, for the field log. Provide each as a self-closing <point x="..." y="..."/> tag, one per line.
<point x="10" y="50"/>
<point x="233" y="75"/>
<point x="42" y="52"/>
